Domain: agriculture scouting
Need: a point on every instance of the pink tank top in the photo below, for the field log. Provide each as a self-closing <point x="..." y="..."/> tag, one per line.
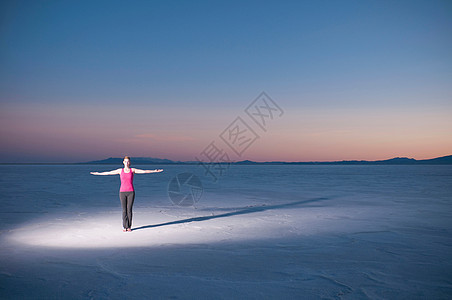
<point x="126" y="181"/>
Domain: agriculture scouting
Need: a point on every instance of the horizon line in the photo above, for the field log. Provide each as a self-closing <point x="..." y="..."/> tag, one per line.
<point x="174" y="162"/>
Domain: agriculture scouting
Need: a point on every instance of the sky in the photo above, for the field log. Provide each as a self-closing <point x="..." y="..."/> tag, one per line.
<point x="88" y="80"/>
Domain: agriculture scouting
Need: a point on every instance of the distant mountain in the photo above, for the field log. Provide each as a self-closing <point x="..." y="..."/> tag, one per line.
<point x="397" y="161"/>
<point x="134" y="160"/>
<point x="444" y="160"/>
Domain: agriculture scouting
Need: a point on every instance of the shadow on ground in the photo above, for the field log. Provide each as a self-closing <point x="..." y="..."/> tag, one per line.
<point x="241" y="211"/>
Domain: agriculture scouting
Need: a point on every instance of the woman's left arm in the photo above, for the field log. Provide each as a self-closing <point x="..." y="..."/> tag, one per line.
<point x="139" y="171"/>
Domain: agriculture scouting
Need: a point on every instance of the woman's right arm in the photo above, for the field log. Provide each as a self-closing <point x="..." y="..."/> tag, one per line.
<point x="114" y="172"/>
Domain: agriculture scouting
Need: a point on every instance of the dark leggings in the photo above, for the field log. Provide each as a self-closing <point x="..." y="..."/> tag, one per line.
<point x="127" y="199"/>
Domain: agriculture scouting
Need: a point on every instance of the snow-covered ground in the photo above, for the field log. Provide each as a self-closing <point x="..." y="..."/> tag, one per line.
<point x="260" y="232"/>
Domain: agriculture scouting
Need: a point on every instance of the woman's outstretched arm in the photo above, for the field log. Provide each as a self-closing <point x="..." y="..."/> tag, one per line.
<point x="138" y="171"/>
<point x="114" y="172"/>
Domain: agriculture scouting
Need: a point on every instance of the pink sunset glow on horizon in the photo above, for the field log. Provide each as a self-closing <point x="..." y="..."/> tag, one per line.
<point x="78" y="133"/>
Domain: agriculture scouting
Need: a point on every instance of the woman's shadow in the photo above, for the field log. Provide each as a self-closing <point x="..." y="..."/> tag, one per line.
<point x="240" y="211"/>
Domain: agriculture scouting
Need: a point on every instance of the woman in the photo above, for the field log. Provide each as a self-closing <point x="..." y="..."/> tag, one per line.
<point x="126" y="191"/>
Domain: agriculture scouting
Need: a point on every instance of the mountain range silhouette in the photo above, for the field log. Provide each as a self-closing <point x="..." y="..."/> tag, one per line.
<point x="443" y="160"/>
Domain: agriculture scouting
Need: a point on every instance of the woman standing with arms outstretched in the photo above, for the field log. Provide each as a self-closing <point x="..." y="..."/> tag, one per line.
<point x="126" y="191"/>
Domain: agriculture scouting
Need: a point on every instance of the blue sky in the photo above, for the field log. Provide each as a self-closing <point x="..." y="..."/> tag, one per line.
<point x="185" y="69"/>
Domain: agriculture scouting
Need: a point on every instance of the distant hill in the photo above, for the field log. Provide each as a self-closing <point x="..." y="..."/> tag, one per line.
<point x="444" y="160"/>
<point x="134" y="160"/>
